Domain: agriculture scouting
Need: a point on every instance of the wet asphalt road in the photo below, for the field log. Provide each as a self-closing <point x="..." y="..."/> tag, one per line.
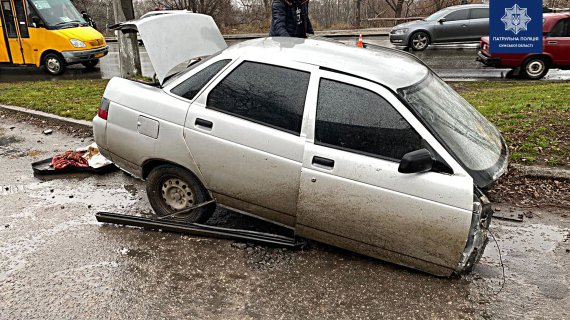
<point x="451" y="62"/>
<point x="57" y="262"/>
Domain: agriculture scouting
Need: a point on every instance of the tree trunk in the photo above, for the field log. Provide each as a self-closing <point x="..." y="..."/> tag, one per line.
<point x="358" y="4"/>
<point x="399" y="7"/>
<point x="129" y="56"/>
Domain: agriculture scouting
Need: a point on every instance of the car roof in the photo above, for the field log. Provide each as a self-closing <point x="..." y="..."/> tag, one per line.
<point x="550" y="19"/>
<point x="390" y="67"/>
<point x="556" y="15"/>
<point x="466" y="6"/>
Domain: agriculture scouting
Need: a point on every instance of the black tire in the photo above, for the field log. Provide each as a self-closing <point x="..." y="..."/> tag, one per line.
<point x="535" y="68"/>
<point x="170" y="189"/>
<point x="54" y="64"/>
<point x="419" y="41"/>
<point x="90" y="64"/>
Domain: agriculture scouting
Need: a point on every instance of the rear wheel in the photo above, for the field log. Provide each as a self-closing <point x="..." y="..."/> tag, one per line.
<point x="419" y="41"/>
<point x="535" y="68"/>
<point x="54" y="64"/>
<point x="171" y="189"/>
<point x="90" y="64"/>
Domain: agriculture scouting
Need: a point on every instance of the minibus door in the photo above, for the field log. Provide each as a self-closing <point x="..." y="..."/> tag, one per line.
<point x="15" y="32"/>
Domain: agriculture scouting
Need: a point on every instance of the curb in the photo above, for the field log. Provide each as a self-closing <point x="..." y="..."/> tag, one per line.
<point x="529" y="171"/>
<point x="78" y="124"/>
<point x="542" y="172"/>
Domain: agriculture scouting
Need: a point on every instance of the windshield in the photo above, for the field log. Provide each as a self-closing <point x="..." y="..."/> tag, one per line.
<point x="474" y="141"/>
<point x="437" y="15"/>
<point x="58" y="13"/>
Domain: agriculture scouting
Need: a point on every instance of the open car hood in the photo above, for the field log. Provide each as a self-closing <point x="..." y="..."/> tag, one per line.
<point x="175" y="37"/>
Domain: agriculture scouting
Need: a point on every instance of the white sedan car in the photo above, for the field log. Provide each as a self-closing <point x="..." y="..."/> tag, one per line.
<point x="365" y="150"/>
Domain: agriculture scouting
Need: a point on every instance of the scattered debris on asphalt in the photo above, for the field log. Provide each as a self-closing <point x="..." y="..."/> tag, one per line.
<point x="509" y="216"/>
<point x="48" y="131"/>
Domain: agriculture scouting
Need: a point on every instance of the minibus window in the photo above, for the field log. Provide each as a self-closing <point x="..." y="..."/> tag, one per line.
<point x="21" y="15"/>
<point x="9" y="19"/>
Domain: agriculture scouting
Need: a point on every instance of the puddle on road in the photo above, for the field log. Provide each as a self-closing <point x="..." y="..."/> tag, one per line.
<point x="99" y="196"/>
<point x="536" y="267"/>
<point x="535" y="237"/>
<point x="8" y="140"/>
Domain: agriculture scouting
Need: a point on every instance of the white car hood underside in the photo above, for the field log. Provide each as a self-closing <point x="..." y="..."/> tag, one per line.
<point x="173" y="38"/>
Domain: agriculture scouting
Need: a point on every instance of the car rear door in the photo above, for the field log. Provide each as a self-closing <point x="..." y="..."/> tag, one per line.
<point x="478" y="23"/>
<point x="557" y="43"/>
<point x="245" y="134"/>
<point x="352" y="194"/>
<point x="454" y="28"/>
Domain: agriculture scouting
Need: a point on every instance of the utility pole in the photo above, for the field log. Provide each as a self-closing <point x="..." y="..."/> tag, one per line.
<point x="129" y="56"/>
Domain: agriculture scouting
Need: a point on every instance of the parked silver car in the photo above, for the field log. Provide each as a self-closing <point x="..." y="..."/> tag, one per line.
<point x="453" y="24"/>
<point x="365" y="150"/>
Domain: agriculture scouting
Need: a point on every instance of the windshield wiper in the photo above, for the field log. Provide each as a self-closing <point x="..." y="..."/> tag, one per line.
<point x="68" y="22"/>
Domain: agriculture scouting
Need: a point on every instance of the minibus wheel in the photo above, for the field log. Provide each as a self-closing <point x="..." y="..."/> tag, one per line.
<point x="54" y="64"/>
<point x="90" y="64"/>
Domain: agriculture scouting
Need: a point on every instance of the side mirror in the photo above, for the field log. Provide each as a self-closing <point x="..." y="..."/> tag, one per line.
<point x="442" y="20"/>
<point x="416" y="161"/>
<point x="37" y="22"/>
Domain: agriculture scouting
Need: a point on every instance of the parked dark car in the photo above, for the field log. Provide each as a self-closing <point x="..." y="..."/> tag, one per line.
<point x="453" y="24"/>
<point x="556" y="50"/>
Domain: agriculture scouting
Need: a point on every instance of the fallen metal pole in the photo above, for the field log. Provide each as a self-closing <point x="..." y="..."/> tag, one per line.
<point x="199" y="229"/>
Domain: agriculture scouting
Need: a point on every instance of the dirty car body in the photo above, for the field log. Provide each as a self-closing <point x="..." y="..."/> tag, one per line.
<point x="365" y="150"/>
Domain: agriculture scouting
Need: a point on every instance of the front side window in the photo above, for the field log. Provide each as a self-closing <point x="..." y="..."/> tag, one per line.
<point x="266" y="94"/>
<point x="480" y="13"/>
<point x="457" y="15"/>
<point x="561" y="29"/>
<point x="356" y="119"/>
<point x="190" y="87"/>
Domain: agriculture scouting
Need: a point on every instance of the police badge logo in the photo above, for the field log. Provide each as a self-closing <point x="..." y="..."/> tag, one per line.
<point x="516" y="19"/>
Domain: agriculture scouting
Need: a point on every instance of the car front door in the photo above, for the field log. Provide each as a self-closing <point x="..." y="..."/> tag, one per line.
<point x="454" y="28"/>
<point x="245" y="134"/>
<point x="352" y="194"/>
<point x="557" y="43"/>
<point x="478" y="23"/>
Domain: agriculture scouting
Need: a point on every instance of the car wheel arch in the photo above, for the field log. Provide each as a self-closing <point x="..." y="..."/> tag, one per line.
<point x="150" y="164"/>
<point x="46" y="52"/>
<point x="547" y="58"/>
<point x="547" y="65"/>
<point x="430" y="37"/>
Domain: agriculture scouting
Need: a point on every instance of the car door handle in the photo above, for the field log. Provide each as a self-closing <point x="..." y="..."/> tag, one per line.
<point x="552" y="42"/>
<point x="464" y="25"/>
<point x="325" y="162"/>
<point x="204" y="123"/>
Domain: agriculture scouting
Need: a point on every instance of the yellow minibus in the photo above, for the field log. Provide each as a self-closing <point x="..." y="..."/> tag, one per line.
<point x="50" y="34"/>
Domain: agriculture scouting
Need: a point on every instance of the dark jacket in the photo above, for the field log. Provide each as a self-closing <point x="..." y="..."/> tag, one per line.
<point x="283" y="19"/>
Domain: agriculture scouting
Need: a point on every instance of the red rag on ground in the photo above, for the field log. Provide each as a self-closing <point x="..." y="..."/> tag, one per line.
<point x="69" y="158"/>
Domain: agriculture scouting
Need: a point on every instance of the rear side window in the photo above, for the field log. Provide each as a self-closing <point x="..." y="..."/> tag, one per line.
<point x="457" y="15"/>
<point x="561" y="29"/>
<point x="266" y="94"/>
<point x="190" y="87"/>
<point x="480" y="13"/>
<point x="354" y="118"/>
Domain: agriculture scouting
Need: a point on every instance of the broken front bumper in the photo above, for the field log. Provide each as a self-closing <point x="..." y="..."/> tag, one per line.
<point x="488" y="61"/>
<point x="84" y="55"/>
<point x="478" y="234"/>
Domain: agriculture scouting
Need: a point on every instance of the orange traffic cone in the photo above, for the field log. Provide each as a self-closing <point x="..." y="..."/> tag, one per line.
<point x="359" y="43"/>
